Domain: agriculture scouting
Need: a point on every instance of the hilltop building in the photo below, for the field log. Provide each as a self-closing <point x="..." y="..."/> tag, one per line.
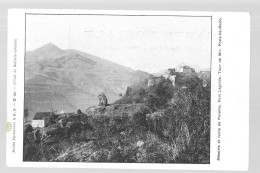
<point x="173" y="74"/>
<point x="152" y="80"/>
<point x="184" y="69"/>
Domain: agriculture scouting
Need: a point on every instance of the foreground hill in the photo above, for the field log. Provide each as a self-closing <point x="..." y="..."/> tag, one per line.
<point x="158" y="124"/>
<point x="57" y="79"/>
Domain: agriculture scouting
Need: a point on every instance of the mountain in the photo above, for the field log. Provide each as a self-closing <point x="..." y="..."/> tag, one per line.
<point x="68" y="80"/>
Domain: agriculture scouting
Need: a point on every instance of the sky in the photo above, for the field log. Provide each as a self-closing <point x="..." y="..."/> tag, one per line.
<point x="147" y="43"/>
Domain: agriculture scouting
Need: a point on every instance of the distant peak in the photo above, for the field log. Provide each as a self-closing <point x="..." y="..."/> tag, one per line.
<point x="50" y="44"/>
<point x="50" y="47"/>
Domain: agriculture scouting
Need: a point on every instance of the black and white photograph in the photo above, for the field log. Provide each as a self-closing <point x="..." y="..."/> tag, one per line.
<point x="117" y="88"/>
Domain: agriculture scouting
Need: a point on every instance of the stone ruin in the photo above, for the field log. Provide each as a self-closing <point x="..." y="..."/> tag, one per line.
<point x="102" y="100"/>
<point x="153" y="80"/>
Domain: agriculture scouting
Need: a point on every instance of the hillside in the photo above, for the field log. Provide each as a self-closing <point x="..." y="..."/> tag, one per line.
<point x="170" y="124"/>
<point x="57" y="79"/>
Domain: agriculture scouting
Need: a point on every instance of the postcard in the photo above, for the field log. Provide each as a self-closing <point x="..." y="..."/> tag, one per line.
<point x="128" y="89"/>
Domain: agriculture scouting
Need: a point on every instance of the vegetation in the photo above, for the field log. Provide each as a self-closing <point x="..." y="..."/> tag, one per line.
<point x="172" y="127"/>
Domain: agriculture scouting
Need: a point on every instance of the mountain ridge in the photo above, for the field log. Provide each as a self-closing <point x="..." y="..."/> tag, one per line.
<point x="53" y="74"/>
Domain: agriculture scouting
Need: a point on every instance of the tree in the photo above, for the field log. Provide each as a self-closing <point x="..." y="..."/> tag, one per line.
<point x="158" y="95"/>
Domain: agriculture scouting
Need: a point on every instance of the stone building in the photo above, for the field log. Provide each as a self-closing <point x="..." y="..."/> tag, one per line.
<point x="152" y="80"/>
<point x="184" y="69"/>
<point x="173" y="74"/>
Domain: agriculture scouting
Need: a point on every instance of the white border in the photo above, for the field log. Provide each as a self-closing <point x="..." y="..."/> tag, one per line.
<point x="235" y="81"/>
